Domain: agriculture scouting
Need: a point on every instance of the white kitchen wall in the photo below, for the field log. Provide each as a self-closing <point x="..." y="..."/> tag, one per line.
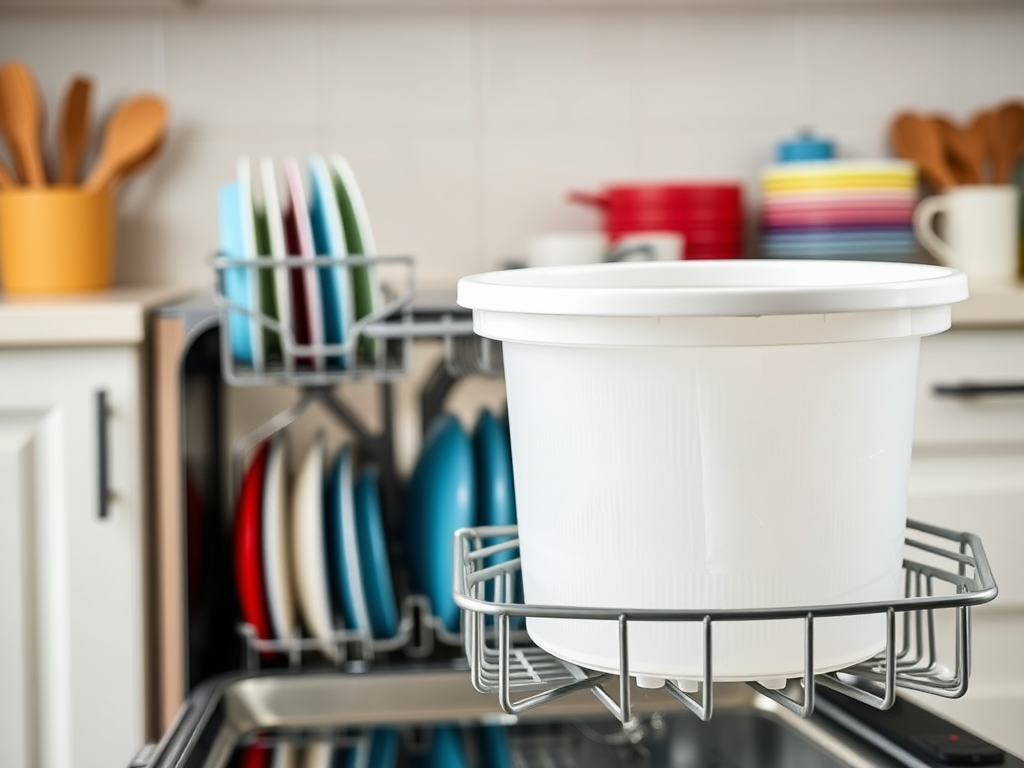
<point x="467" y="126"/>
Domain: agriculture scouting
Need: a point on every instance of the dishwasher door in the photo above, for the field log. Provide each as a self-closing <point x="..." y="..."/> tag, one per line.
<point x="435" y="718"/>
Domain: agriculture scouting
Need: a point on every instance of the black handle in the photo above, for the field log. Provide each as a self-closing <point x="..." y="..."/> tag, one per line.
<point x="971" y="389"/>
<point x="102" y="463"/>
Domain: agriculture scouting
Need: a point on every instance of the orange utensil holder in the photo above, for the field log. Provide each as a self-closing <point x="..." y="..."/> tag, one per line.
<point x="56" y="240"/>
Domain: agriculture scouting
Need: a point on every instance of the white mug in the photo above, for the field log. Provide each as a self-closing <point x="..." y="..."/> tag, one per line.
<point x="560" y="249"/>
<point x="980" y="233"/>
<point x="647" y="246"/>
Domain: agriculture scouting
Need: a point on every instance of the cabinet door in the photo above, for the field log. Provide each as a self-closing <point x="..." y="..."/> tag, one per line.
<point x="71" y="578"/>
<point x="968" y="474"/>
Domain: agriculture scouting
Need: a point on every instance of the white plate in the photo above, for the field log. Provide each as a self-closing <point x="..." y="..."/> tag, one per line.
<point x="276" y="553"/>
<point x="278" y="250"/>
<point x="308" y="553"/>
<point x="350" y="200"/>
<point x="249" y="252"/>
<point x="299" y="210"/>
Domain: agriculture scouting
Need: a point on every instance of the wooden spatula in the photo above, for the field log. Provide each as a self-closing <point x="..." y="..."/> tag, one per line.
<point x="966" y="156"/>
<point x="917" y="138"/>
<point x="1009" y="132"/>
<point x="132" y="132"/>
<point x="73" y="129"/>
<point x="21" y="119"/>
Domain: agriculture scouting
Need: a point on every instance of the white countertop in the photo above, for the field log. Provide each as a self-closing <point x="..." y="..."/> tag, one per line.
<point x="117" y="316"/>
<point x="991" y="304"/>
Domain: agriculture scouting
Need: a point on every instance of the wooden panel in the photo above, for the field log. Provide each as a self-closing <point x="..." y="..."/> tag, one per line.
<point x="169" y="631"/>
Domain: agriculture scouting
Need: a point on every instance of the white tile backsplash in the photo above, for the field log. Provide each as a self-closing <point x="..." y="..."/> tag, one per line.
<point x="467" y="123"/>
<point x="736" y="65"/>
<point x="397" y="69"/>
<point x="538" y="68"/>
<point x="241" y="70"/>
<point x="860" y="67"/>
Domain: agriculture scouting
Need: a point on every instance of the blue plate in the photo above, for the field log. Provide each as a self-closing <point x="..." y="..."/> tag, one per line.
<point x="446" y="750"/>
<point x="494" y="748"/>
<point x="384" y="743"/>
<point x="343" y="546"/>
<point x="441" y="498"/>
<point x="493" y="452"/>
<point x="373" y="557"/>
<point x="238" y="283"/>
<point x="329" y="238"/>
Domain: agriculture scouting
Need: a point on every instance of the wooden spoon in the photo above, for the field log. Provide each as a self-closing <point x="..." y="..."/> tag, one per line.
<point x="133" y="130"/>
<point x="21" y="120"/>
<point x="1009" y="129"/>
<point x="73" y="129"/>
<point x="978" y="130"/>
<point x="917" y="138"/>
<point x="965" y="156"/>
<point x="136" y="166"/>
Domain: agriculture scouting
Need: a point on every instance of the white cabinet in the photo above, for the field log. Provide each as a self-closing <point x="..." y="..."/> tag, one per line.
<point x="72" y="590"/>
<point x="73" y="578"/>
<point x="968" y="474"/>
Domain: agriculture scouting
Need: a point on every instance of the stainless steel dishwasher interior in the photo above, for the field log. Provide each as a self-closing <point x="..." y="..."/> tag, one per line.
<point x="748" y="731"/>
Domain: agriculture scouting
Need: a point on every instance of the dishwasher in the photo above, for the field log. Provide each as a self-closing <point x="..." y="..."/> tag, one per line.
<point x="486" y="695"/>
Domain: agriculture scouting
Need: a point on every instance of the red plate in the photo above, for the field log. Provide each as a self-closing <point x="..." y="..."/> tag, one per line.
<point x="252" y="596"/>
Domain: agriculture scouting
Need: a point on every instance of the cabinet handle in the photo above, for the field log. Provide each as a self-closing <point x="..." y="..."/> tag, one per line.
<point x="102" y="463"/>
<point x="969" y="389"/>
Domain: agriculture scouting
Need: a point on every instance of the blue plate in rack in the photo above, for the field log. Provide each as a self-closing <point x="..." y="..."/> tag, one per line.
<point x="373" y="557"/>
<point x="237" y="281"/>
<point x="494" y="747"/>
<point x="384" y="744"/>
<point x="441" y="498"/>
<point x="329" y="237"/>
<point x="343" y="544"/>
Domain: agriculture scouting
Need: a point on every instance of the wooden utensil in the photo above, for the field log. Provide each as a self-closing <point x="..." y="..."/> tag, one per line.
<point x="136" y="166"/>
<point x="1009" y="133"/>
<point x="7" y="181"/>
<point x="73" y="129"/>
<point x="21" y="119"/>
<point x="917" y="138"/>
<point x="132" y="132"/>
<point x="977" y="131"/>
<point x="965" y="155"/>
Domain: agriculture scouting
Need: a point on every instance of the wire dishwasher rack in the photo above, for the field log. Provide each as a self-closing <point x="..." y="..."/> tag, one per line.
<point x="942" y="570"/>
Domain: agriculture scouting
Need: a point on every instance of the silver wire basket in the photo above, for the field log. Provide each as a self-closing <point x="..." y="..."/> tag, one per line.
<point x="502" y="660"/>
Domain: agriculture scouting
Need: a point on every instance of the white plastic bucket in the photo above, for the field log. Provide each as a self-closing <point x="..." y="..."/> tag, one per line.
<point x="712" y="435"/>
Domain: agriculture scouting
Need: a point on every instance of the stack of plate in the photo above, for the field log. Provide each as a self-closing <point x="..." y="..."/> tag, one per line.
<point x="313" y="551"/>
<point x="839" y="209"/>
<point x="265" y="217"/>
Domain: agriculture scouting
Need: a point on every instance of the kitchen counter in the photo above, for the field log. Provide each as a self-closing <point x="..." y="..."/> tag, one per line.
<point x="991" y="304"/>
<point x="117" y="316"/>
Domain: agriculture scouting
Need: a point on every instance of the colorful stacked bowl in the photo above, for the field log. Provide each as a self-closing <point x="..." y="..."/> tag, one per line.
<point x="708" y="215"/>
<point x="839" y="209"/>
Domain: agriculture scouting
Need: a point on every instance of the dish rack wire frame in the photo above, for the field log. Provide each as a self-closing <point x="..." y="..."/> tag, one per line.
<point x="464" y="353"/>
<point x="352" y="650"/>
<point x="503" y="668"/>
<point x="393" y="323"/>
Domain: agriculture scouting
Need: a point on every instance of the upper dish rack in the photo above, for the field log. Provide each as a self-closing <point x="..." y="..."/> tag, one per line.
<point x="933" y="557"/>
<point x="376" y="346"/>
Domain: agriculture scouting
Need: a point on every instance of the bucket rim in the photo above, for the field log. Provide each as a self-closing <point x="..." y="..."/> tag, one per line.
<point x="740" y="287"/>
